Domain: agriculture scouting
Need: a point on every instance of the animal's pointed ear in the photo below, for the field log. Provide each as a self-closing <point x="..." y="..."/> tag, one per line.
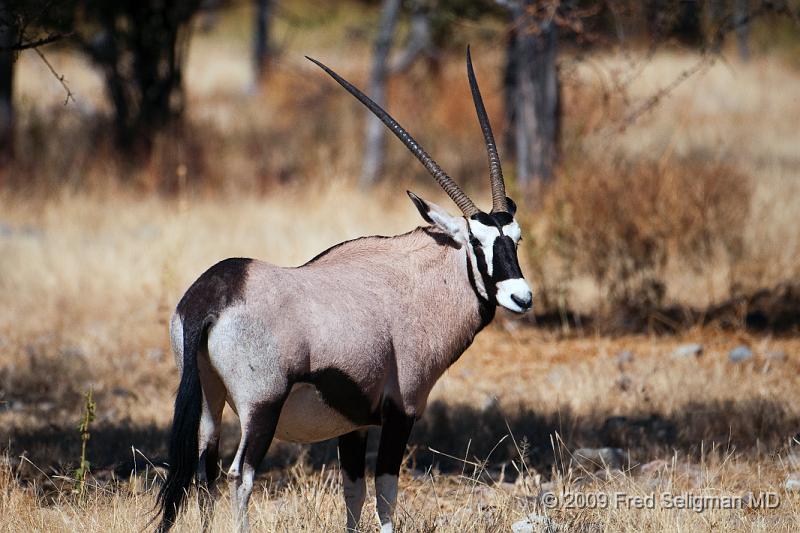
<point x="435" y="215"/>
<point x="512" y="207"/>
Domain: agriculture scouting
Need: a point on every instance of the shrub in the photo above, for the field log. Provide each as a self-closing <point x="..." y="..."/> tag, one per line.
<point x="622" y="223"/>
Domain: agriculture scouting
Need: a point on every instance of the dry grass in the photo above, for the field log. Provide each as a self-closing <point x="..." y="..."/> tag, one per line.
<point x="91" y="267"/>
<point x="731" y="426"/>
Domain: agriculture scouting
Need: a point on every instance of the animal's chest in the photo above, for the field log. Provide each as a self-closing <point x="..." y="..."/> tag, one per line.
<point x="306" y="417"/>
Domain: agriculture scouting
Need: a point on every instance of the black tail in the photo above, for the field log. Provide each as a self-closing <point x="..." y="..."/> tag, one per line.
<point x="183" y="442"/>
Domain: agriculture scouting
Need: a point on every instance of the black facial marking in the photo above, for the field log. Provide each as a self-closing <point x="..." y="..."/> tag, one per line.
<point x="486" y="308"/>
<point x="217" y="288"/>
<point x="497" y="220"/>
<point x="483" y="270"/>
<point x="352" y="454"/>
<point x="395" y="429"/>
<point x="502" y="218"/>
<point x="484" y="218"/>
<point x="342" y="394"/>
<point x="505" y="264"/>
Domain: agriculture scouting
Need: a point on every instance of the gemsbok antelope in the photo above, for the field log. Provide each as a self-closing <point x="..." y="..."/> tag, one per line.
<point x="356" y="337"/>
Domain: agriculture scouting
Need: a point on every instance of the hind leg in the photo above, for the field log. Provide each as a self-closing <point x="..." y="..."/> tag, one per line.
<point x="395" y="430"/>
<point x="214" y="394"/>
<point x="258" y="427"/>
<point x="352" y="452"/>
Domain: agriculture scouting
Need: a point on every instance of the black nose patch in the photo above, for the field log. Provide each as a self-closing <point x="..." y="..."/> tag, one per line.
<point x="523" y="303"/>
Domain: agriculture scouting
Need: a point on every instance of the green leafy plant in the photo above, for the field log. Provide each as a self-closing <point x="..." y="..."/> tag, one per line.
<point x="82" y="471"/>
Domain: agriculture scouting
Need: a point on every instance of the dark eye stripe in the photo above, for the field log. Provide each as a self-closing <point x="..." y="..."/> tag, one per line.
<point x="504" y="259"/>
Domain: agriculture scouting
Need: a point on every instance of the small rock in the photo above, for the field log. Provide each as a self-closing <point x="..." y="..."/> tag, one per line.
<point x="625" y="356"/>
<point x="740" y="354"/>
<point x="593" y="458"/>
<point x="688" y="350"/>
<point x="653" y="466"/>
<point x="535" y="523"/>
<point x="776" y="355"/>
<point x="549" y="486"/>
<point x="608" y="475"/>
<point x="793" y="483"/>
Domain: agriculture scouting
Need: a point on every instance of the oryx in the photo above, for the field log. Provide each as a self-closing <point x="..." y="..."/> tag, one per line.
<point x="356" y="337"/>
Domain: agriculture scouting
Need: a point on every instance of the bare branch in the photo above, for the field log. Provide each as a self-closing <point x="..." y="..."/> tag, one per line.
<point x="704" y="63"/>
<point x="20" y="45"/>
<point x="59" y="77"/>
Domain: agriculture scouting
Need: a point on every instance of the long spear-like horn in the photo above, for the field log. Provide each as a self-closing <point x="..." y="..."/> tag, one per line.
<point x="450" y="187"/>
<point x="499" y="201"/>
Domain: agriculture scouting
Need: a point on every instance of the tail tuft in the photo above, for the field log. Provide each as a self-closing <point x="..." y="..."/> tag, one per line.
<point x="183" y="443"/>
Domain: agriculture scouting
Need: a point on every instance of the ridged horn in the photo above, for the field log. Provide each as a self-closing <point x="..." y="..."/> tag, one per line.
<point x="499" y="202"/>
<point x="450" y="187"/>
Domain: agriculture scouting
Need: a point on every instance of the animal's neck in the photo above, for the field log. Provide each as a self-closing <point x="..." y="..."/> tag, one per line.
<point x="446" y="299"/>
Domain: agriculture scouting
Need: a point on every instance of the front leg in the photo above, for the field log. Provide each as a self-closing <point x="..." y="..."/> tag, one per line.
<point x="352" y="452"/>
<point x="395" y="430"/>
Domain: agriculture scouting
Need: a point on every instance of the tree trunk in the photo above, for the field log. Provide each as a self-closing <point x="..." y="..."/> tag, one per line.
<point x="716" y="15"/>
<point x="420" y="38"/>
<point x="532" y="96"/>
<point x="8" y="37"/>
<point x="741" y="13"/>
<point x="143" y="61"/>
<point x="375" y="135"/>
<point x="261" y="48"/>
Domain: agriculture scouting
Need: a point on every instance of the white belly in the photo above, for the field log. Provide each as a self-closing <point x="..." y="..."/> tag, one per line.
<point x="305" y="417"/>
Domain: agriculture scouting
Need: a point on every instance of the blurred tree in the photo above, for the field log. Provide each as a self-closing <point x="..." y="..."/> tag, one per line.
<point x="8" y="37"/>
<point x="532" y="89"/>
<point x="376" y="89"/>
<point x="261" y="38"/>
<point x="716" y="16"/>
<point x="16" y="17"/>
<point x="140" y="45"/>
<point x="741" y="16"/>
<point x="420" y="39"/>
